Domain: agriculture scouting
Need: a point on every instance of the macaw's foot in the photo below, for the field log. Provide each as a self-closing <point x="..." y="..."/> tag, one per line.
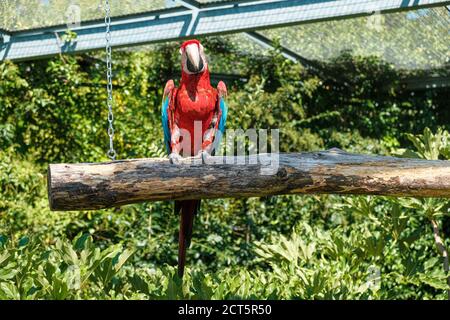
<point x="204" y="155"/>
<point x="174" y="158"/>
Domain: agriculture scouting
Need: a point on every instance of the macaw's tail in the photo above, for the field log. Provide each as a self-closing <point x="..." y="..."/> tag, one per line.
<point x="188" y="209"/>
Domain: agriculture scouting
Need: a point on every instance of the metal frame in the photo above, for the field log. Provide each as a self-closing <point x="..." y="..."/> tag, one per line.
<point x="256" y="37"/>
<point x="224" y="17"/>
<point x="426" y="83"/>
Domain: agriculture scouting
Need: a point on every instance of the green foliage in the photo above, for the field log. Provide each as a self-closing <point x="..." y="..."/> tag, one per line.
<point x="61" y="271"/>
<point x="290" y="247"/>
<point x="431" y="146"/>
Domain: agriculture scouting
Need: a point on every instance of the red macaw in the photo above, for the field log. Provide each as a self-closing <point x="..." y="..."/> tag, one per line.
<point x="194" y="100"/>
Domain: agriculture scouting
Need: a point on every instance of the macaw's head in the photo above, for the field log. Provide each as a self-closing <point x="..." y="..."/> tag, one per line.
<point x="193" y="59"/>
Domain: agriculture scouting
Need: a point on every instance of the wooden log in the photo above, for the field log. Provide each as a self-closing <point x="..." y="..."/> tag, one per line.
<point x="88" y="186"/>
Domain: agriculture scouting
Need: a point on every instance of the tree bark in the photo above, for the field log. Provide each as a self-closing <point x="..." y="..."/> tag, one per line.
<point x="89" y="186"/>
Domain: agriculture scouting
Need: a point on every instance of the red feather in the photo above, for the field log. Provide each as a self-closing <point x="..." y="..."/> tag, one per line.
<point x="188" y="42"/>
<point x="196" y="100"/>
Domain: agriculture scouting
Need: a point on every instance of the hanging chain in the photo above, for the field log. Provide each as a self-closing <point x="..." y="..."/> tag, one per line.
<point x="109" y="87"/>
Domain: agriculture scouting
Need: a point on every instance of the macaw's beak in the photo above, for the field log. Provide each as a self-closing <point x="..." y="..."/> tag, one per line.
<point x="194" y="61"/>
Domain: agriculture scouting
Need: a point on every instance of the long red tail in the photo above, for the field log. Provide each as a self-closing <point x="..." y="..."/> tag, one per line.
<point x="188" y="209"/>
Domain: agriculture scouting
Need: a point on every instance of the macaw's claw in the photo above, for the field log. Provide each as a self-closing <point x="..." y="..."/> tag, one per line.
<point x="174" y="158"/>
<point x="204" y="155"/>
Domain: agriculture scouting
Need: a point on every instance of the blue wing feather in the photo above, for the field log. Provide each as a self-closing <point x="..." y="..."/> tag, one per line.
<point x="165" y="123"/>
<point x="222" y="121"/>
<point x="223" y="118"/>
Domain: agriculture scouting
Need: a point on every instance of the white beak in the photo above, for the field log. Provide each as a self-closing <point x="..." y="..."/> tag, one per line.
<point x="193" y="55"/>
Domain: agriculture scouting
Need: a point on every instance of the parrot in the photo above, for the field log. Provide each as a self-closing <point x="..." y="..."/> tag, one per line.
<point x="195" y="100"/>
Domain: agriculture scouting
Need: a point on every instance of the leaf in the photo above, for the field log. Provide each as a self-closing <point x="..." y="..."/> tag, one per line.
<point x="9" y="271"/>
<point x="139" y="284"/>
<point x="202" y="290"/>
<point x="80" y="241"/>
<point x="69" y="255"/>
<point x="174" y="287"/>
<point x="4" y="256"/>
<point x="415" y="235"/>
<point x="24" y="241"/>
<point x="430" y="263"/>
<point x="122" y="258"/>
<point x="439" y="283"/>
<point x="406" y="153"/>
<point x="9" y="291"/>
<point x="3" y="240"/>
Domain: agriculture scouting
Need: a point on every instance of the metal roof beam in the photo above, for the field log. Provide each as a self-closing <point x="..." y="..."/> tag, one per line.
<point x="178" y="23"/>
<point x="267" y="43"/>
<point x="256" y="37"/>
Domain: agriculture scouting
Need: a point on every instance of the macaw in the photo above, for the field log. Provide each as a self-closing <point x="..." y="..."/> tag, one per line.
<point x="195" y="100"/>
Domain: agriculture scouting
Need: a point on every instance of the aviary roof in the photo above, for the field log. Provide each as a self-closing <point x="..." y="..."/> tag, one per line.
<point x="416" y="39"/>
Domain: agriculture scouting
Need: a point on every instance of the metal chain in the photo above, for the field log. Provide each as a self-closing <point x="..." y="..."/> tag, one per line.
<point x="111" y="152"/>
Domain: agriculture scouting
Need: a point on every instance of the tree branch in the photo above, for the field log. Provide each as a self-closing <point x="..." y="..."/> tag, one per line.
<point x="88" y="186"/>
